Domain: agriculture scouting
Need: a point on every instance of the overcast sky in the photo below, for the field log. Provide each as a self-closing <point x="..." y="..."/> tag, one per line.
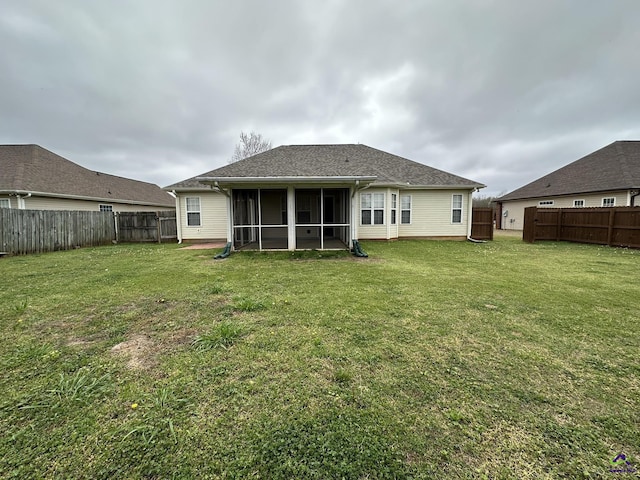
<point x="498" y="91"/>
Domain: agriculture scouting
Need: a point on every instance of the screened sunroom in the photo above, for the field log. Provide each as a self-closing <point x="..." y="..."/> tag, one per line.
<point x="290" y="218"/>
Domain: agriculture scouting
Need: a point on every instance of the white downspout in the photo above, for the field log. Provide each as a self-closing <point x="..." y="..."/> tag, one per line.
<point x="291" y="217"/>
<point x="354" y="212"/>
<point x="216" y="187"/>
<point x="178" y="220"/>
<point x="21" y="204"/>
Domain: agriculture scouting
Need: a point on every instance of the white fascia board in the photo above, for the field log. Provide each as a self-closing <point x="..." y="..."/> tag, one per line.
<point x="405" y="186"/>
<point x="83" y="197"/>
<point x="203" y="188"/>
<point x="293" y="179"/>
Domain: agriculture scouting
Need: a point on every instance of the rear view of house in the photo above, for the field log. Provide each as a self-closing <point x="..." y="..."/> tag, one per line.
<point x="32" y="177"/>
<point x="322" y="197"/>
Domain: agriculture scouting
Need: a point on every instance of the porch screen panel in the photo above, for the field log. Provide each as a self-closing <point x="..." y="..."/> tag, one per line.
<point x="308" y="206"/>
<point x="273" y="207"/>
<point x="336" y="206"/>
<point x="245" y="219"/>
<point x="245" y="207"/>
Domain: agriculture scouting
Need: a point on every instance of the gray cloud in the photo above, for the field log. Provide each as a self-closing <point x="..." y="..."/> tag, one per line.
<point x="498" y="91"/>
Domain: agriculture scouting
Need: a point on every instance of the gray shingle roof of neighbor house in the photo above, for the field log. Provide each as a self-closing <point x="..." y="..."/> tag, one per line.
<point x="614" y="167"/>
<point x="33" y="169"/>
<point x="325" y="161"/>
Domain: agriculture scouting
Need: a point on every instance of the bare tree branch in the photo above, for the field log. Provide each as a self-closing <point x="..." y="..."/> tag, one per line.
<point x="249" y="145"/>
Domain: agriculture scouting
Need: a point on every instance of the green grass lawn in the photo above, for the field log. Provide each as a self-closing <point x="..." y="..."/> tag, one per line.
<point x="426" y="360"/>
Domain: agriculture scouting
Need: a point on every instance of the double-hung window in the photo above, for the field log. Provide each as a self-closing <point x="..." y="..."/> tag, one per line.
<point x="394" y="208"/>
<point x="405" y="209"/>
<point x="106" y="208"/>
<point x="456" y="208"/>
<point x="4" y="203"/>
<point x="372" y="208"/>
<point x="609" y="202"/>
<point x="193" y="211"/>
<point x="578" y="203"/>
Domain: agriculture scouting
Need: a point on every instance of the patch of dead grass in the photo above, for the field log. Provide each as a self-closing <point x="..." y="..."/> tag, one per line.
<point x="139" y="351"/>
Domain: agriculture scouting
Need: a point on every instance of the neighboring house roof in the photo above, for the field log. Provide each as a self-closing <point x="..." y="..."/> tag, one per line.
<point x="614" y="167"/>
<point x="323" y="162"/>
<point x="33" y="169"/>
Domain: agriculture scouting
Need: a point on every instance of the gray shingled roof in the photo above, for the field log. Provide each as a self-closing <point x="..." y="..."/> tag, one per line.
<point x="333" y="161"/>
<point x="614" y="167"/>
<point x="31" y="168"/>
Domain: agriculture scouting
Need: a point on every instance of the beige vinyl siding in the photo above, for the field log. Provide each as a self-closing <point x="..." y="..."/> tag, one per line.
<point x="431" y="214"/>
<point x="213" y="217"/>
<point x="515" y="216"/>
<point x="52" y="203"/>
<point x="392" y="230"/>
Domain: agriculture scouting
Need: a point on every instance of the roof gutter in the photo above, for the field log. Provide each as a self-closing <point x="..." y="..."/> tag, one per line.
<point x="82" y="197"/>
<point x="404" y="186"/>
<point x="570" y="194"/>
<point x="294" y="179"/>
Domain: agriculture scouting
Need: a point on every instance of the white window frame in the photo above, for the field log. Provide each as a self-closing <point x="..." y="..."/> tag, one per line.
<point x="104" y="207"/>
<point x="454" y="208"/>
<point x="546" y="203"/>
<point x="373" y="207"/>
<point x="609" y="201"/>
<point x="5" y="203"/>
<point x="394" y="209"/>
<point x="403" y="209"/>
<point x="579" y="203"/>
<point x="192" y="211"/>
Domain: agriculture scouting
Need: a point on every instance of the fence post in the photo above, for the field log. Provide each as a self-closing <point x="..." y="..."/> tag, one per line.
<point x="612" y="214"/>
<point x="159" y="222"/>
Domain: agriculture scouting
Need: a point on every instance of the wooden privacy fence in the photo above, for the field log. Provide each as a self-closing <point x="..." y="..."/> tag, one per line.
<point x="37" y="231"/>
<point x="146" y="226"/>
<point x="613" y="226"/>
<point x="482" y="224"/>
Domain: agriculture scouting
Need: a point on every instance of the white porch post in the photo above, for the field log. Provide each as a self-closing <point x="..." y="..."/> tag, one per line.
<point x="354" y="217"/>
<point x="291" y="217"/>
<point x="230" y="217"/>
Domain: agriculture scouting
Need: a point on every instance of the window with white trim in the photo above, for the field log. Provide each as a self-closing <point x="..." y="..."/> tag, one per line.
<point x="4" y="203"/>
<point x="372" y="208"/>
<point x="193" y="211"/>
<point x="394" y="208"/>
<point x="578" y="203"/>
<point x="545" y="203"/>
<point x="456" y="208"/>
<point x="106" y="208"/>
<point x="405" y="209"/>
<point x="609" y="202"/>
